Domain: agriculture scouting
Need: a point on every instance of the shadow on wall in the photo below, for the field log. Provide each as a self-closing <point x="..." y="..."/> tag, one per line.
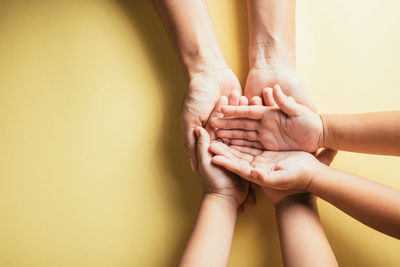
<point x="164" y="61"/>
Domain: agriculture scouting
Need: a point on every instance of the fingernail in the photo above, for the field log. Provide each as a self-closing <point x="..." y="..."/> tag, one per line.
<point x="198" y="131"/>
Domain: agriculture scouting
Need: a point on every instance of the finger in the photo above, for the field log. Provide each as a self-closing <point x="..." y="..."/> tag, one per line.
<point x="234" y="98"/>
<point x="326" y="156"/>
<point x="250" y="200"/>
<point x="203" y="143"/>
<point x="238" y="166"/>
<point x="241" y="142"/>
<point x="250" y="112"/>
<point x="238" y="134"/>
<point x="268" y="97"/>
<point x="272" y="179"/>
<point x="219" y="148"/>
<point x="216" y="114"/>
<point x="223" y="101"/>
<point x="248" y="150"/>
<point x="256" y="101"/>
<point x="244" y="124"/>
<point x="243" y="101"/>
<point x="190" y="145"/>
<point x="290" y="107"/>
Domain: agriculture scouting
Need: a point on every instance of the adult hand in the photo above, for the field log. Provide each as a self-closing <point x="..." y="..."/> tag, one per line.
<point x="205" y="89"/>
<point x="277" y="72"/>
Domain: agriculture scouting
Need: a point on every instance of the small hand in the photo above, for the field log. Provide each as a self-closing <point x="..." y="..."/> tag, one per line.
<point x="205" y="89"/>
<point x="233" y="99"/>
<point x="216" y="180"/>
<point x="285" y="126"/>
<point x="277" y="170"/>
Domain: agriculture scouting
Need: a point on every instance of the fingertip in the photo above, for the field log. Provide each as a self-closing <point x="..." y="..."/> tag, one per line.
<point x="197" y="131"/>
<point x="226" y="109"/>
<point x="218" y="160"/>
<point x="224" y="100"/>
<point x="254" y="173"/>
<point x="277" y="87"/>
<point x="215" y="147"/>
<point x="213" y="122"/>
<point x="243" y="101"/>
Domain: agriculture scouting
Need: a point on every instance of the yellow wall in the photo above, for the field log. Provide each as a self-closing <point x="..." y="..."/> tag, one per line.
<point x="92" y="166"/>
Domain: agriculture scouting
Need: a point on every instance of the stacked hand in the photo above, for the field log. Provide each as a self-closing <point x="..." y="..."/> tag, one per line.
<point x="282" y="124"/>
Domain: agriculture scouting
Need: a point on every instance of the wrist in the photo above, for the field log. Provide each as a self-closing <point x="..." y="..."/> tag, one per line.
<point x="294" y="199"/>
<point x="317" y="172"/>
<point x="270" y="54"/>
<point x="205" y="58"/>
<point x="227" y="201"/>
<point x="324" y="137"/>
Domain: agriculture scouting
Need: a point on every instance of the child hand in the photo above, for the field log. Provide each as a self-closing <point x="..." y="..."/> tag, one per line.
<point x="216" y="180"/>
<point x="285" y="126"/>
<point x="277" y="170"/>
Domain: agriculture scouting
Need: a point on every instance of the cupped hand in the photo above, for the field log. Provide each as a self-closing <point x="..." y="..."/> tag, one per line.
<point x="277" y="170"/>
<point x="216" y="180"/>
<point x="233" y="99"/>
<point x="278" y="72"/>
<point x="286" y="125"/>
<point x="205" y="89"/>
<point x="287" y="171"/>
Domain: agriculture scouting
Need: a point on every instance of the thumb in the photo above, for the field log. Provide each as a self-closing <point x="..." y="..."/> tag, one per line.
<point x="285" y="103"/>
<point x="272" y="179"/>
<point x="203" y="143"/>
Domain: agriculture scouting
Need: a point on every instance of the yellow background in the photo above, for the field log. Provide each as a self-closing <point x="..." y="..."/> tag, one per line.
<point x="92" y="167"/>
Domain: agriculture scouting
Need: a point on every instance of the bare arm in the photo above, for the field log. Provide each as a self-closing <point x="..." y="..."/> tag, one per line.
<point x="272" y="53"/>
<point x="373" y="204"/>
<point x="375" y="133"/>
<point x="303" y="241"/>
<point x="190" y="28"/>
<point x="211" y="239"/>
<point x="272" y="31"/>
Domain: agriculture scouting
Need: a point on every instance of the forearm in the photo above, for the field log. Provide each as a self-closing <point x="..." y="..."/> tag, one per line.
<point x="211" y="239"/>
<point x="371" y="203"/>
<point x="272" y="32"/>
<point x="303" y="241"/>
<point x="191" y="31"/>
<point x="375" y="133"/>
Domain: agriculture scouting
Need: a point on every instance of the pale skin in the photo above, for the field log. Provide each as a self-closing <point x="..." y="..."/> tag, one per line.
<point x="283" y="125"/>
<point x="272" y="49"/>
<point x="302" y="238"/>
<point x="303" y="243"/>
<point x="371" y="203"/>
<point x="192" y="33"/>
<point x="224" y="192"/>
<point x="292" y="126"/>
<point x="224" y="197"/>
<point x="271" y="57"/>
